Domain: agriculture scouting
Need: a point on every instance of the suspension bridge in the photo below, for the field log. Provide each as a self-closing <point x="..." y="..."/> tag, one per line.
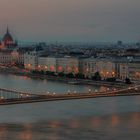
<point x="9" y="97"/>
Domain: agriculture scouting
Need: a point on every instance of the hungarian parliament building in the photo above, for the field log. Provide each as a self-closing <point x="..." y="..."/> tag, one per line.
<point x="35" y="58"/>
<point x="9" y="51"/>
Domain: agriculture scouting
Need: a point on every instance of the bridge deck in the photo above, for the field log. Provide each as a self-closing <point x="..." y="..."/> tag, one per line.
<point x="9" y="97"/>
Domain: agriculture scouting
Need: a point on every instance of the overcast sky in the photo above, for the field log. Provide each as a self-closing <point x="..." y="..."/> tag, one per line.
<point x="71" y="20"/>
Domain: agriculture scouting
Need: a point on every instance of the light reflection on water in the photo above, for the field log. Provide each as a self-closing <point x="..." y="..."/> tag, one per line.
<point x="23" y="83"/>
<point x="115" y="118"/>
<point x="72" y="120"/>
<point x="116" y="126"/>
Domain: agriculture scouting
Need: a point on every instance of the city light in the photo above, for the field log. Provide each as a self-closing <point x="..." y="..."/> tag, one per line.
<point x="89" y="90"/>
<point x="65" y="75"/>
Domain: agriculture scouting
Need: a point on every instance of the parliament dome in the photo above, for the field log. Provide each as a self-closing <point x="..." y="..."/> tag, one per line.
<point x="8" y="37"/>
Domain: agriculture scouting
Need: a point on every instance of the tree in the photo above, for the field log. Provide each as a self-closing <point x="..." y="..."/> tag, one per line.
<point x="61" y="74"/>
<point x="96" y="76"/>
<point x="127" y="80"/>
<point x="42" y="72"/>
<point x="111" y="79"/>
<point x="50" y="73"/>
<point x="70" y="75"/>
<point x="79" y="76"/>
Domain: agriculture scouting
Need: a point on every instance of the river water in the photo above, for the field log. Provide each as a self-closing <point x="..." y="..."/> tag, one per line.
<point x="109" y="118"/>
<point x="39" y="86"/>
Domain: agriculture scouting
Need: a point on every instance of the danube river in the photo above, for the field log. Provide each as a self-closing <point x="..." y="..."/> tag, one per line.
<point x="87" y="119"/>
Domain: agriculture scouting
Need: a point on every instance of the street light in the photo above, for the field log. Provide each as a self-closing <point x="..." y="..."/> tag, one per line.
<point x="136" y="88"/>
<point x="27" y="95"/>
<point x="89" y="90"/>
<point x="21" y="95"/>
<point x="108" y="89"/>
<point x="1" y="97"/>
<point x="68" y="91"/>
<point x="96" y="90"/>
<point x="114" y="89"/>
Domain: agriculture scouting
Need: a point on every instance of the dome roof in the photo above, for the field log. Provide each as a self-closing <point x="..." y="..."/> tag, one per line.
<point x="7" y="37"/>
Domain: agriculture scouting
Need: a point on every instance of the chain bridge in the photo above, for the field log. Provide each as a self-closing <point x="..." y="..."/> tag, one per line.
<point x="9" y="97"/>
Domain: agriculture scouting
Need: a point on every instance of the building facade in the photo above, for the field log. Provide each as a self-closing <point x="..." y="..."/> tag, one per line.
<point x="130" y="70"/>
<point x="59" y="64"/>
<point x="31" y="60"/>
<point x="68" y="64"/>
<point x="47" y="64"/>
<point x="105" y="67"/>
<point x="8" y="50"/>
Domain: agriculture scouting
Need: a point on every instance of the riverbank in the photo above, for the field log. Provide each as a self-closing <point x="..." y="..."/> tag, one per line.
<point x="23" y="72"/>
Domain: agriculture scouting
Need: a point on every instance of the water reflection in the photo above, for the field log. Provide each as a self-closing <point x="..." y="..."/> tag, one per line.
<point x="105" y="127"/>
<point x="3" y="131"/>
<point x="74" y="124"/>
<point x="135" y="119"/>
<point x="115" y="120"/>
<point x="54" y="124"/>
<point x="25" y="135"/>
<point x="24" y="83"/>
<point x="95" y="122"/>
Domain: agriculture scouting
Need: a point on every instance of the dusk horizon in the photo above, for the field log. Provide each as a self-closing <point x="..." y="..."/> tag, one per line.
<point x="65" y="20"/>
<point x="69" y="70"/>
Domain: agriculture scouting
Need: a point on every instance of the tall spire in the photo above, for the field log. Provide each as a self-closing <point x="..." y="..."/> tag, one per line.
<point x="7" y="29"/>
<point x="7" y="37"/>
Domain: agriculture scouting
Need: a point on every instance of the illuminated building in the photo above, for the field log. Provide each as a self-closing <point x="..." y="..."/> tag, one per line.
<point x="68" y="64"/>
<point x="130" y="70"/>
<point x="8" y="42"/>
<point x="104" y="66"/>
<point x="31" y="60"/>
<point x="47" y="63"/>
<point x="8" y="49"/>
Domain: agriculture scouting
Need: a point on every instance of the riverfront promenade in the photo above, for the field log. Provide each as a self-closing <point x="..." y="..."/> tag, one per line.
<point x="23" y="72"/>
<point x="9" y="97"/>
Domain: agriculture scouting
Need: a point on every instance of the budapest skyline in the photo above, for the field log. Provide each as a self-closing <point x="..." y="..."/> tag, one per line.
<point x="71" y="20"/>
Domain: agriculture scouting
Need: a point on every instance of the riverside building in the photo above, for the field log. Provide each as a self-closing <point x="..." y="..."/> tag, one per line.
<point x="105" y="67"/>
<point x="8" y="49"/>
<point x="31" y="60"/>
<point x="68" y="64"/>
<point x="129" y="68"/>
<point x="64" y="64"/>
<point x="47" y="63"/>
<point x="119" y="68"/>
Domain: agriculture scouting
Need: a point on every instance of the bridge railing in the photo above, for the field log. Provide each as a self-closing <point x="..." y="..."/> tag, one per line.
<point x="12" y="94"/>
<point x="6" y="94"/>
